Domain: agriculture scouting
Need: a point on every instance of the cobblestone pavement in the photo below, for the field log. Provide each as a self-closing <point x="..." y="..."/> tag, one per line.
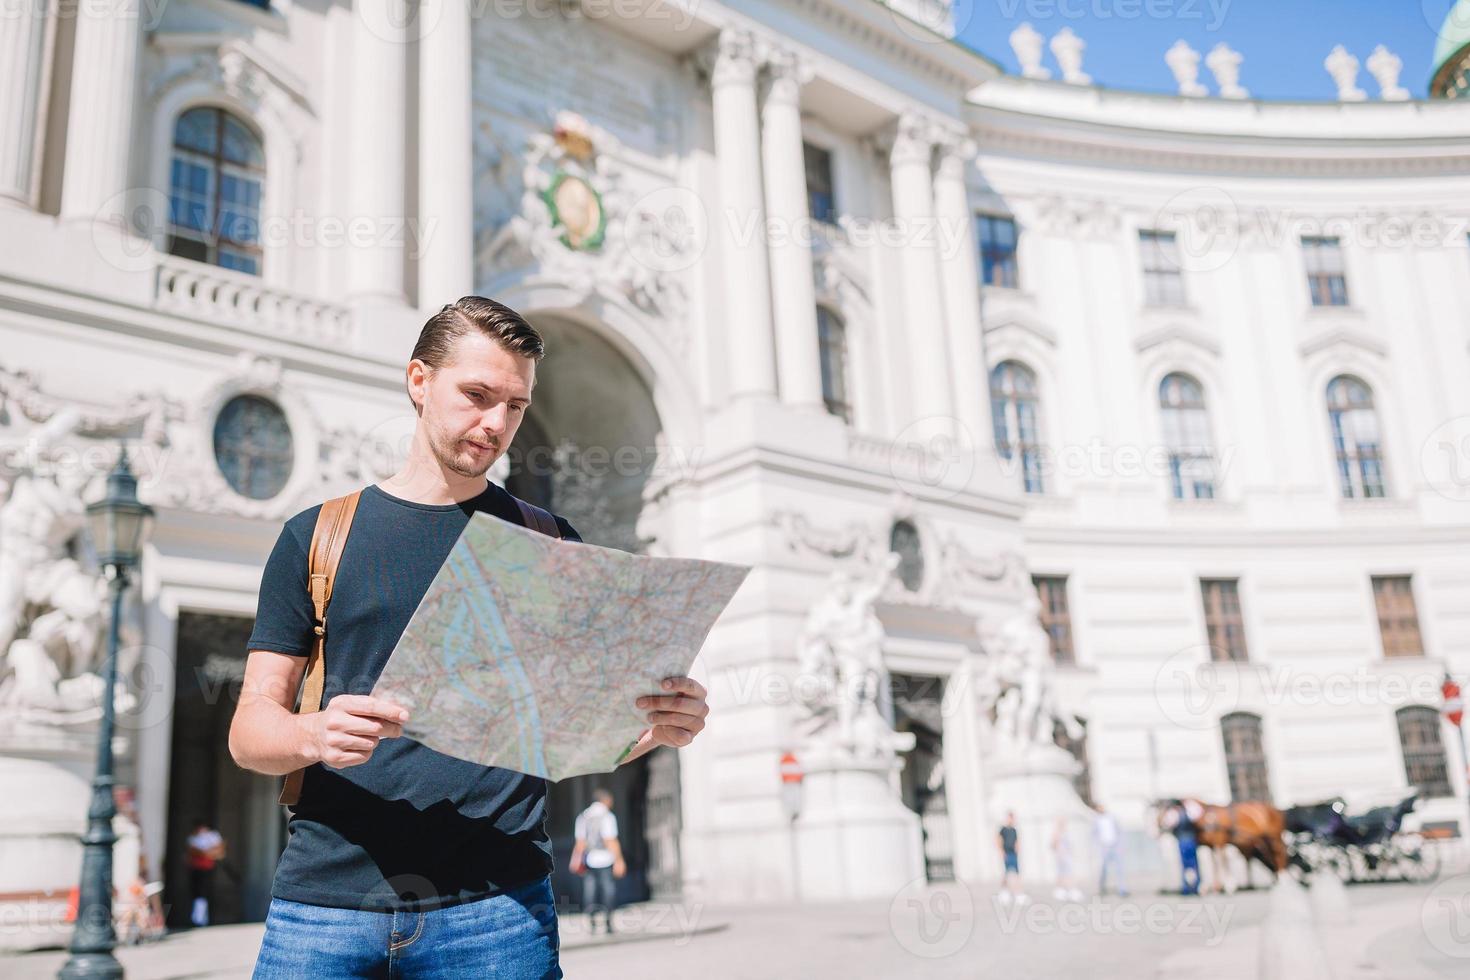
<point x="1384" y="932"/>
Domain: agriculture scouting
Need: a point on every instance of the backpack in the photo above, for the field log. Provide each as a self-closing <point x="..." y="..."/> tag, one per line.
<point x="328" y="540"/>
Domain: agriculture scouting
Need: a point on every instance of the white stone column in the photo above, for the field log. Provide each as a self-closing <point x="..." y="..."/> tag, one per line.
<point x="959" y="273"/>
<point x="446" y="157"/>
<point x="910" y="162"/>
<point x="100" y="124"/>
<point x="22" y="33"/>
<point x="740" y="218"/>
<point x="793" y="292"/>
<point x="377" y="145"/>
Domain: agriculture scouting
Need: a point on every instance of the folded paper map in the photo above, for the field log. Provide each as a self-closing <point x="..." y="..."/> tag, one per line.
<point x="528" y="652"/>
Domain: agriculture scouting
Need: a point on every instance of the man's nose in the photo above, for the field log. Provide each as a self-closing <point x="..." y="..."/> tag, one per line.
<point x="493" y="421"/>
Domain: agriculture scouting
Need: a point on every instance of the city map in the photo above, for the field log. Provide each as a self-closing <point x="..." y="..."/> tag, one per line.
<point x="528" y="652"/>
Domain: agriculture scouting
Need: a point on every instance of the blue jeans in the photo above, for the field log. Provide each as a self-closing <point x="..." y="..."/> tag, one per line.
<point x="600" y="893"/>
<point x="512" y="935"/>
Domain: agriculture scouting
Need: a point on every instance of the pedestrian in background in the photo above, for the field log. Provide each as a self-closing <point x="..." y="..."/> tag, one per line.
<point x="1061" y="849"/>
<point x="206" y="850"/>
<point x="1011" y="882"/>
<point x="599" y="856"/>
<point x="1110" y="850"/>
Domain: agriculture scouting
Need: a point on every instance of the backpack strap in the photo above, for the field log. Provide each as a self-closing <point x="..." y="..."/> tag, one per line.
<point x="327" y="543"/>
<point x="537" y="518"/>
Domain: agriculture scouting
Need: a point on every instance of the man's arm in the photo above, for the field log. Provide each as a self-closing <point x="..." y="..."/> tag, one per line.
<point x="266" y="737"/>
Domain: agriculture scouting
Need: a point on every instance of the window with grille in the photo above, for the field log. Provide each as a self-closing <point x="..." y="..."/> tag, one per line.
<point x="253" y="446"/>
<point x="1398" y="619"/>
<point x="216" y="174"/>
<point x="1326" y="271"/>
<point x="1224" y="624"/>
<point x="821" y="200"/>
<point x="832" y="354"/>
<point x="1425" y="764"/>
<point x="1163" y="272"/>
<point x="1014" y="410"/>
<point x="997" y="250"/>
<point x="1245" y="757"/>
<point x="1056" y="618"/>
<point x="1187" y="436"/>
<point x="1355" y="438"/>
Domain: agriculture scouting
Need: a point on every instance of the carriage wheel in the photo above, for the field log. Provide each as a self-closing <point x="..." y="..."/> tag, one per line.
<point x="1416" y="860"/>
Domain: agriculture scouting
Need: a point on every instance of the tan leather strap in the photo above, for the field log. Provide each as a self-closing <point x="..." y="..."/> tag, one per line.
<point x="328" y="540"/>
<point x="537" y="518"/>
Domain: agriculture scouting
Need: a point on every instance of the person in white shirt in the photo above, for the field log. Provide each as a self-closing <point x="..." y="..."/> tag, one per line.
<point x="1110" y="848"/>
<point x="598" y="855"/>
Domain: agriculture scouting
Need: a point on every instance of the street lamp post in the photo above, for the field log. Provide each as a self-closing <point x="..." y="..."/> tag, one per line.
<point x="118" y="523"/>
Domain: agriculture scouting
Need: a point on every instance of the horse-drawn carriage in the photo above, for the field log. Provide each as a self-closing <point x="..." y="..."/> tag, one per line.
<point x="1368" y="846"/>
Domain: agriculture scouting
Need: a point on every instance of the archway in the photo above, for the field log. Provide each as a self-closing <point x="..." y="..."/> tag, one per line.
<point x="587" y="450"/>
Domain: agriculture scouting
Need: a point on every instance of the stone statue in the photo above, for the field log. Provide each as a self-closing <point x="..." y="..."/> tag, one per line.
<point x="1026" y="42"/>
<point x="1224" y="63"/>
<point x="51" y="607"/>
<point x="1067" y="48"/>
<point x="843" y="683"/>
<point x="1343" y="68"/>
<point x="1018" y="688"/>
<point x="1183" y="61"/>
<point x="1385" y="67"/>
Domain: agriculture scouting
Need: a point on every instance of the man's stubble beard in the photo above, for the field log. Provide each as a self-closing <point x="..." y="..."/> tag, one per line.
<point x="442" y="445"/>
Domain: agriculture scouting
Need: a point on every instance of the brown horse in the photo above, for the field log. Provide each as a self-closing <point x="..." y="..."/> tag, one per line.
<point x="1254" y="828"/>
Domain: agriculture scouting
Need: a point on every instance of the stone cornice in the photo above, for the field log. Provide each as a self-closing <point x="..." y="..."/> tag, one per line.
<point x="1096" y="127"/>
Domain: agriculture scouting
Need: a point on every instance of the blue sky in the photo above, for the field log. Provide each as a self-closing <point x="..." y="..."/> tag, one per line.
<point x="1284" y="41"/>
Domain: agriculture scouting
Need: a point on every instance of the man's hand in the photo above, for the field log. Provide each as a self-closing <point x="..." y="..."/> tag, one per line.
<point x="346" y="731"/>
<point x="676" y="715"/>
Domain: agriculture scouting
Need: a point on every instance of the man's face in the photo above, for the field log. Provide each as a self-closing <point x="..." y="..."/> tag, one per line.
<point x="471" y="407"/>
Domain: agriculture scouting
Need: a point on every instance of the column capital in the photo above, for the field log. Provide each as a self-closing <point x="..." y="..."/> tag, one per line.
<point x="731" y="58"/>
<point x="956" y="152"/>
<point x="786" y="73"/>
<point x="914" y="135"/>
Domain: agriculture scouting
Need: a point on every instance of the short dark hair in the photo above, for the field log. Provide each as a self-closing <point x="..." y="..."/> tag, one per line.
<point x="495" y="320"/>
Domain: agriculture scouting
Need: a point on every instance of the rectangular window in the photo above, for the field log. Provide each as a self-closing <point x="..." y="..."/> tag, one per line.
<point x="1398" y="619"/>
<point x="1056" y="618"/>
<point x="821" y="202"/>
<point x="1326" y="272"/>
<point x="1163" y="273"/>
<point x="1425" y="764"/>
<point x="997" y="250"/>
<point x="1224" y="625"/>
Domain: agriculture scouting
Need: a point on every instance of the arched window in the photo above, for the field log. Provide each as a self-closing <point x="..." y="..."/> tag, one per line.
<point x="214" y="190"/>
<point x="832" y="349"/>
<point x="1355" y="437"/>
<point x="1014" y="408"/>
<point x="1245" y="757"/>
<point x="1425" y="764"/>
<point x="1187" y="436"/>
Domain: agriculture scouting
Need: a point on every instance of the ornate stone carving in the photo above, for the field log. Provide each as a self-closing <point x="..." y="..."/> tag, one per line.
<point x="843" y="685"/>
<point x="646" y="244"/>
<point x="1017" y="690"/>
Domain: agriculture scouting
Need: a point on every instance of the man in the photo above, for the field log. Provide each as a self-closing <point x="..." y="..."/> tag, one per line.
<point x="398" y="855"/>
<point x="600" y="856"/>
<point x="1011" y="881"/>
<point x="206" y="850"/>
<point x="1110" y="850"/>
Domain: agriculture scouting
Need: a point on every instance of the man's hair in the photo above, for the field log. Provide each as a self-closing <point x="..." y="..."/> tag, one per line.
<point x="495" y="320"/>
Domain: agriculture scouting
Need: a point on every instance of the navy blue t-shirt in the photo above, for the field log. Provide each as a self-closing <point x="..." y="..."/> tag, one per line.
<point x="410" y="828"/>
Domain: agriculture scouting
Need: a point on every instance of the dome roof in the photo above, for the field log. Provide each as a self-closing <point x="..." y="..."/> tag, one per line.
<point x="1454" y="34"/>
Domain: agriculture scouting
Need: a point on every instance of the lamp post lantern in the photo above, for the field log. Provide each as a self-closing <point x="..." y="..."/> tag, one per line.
<point x="119" y="524"/>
